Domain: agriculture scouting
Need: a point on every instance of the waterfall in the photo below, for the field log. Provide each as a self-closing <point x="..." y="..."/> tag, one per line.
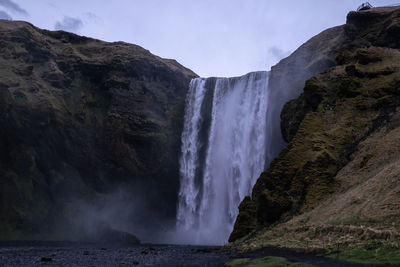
<point x="223" y="153"/>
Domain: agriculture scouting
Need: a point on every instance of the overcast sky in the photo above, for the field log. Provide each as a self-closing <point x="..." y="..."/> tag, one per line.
<point x="211" y="37"/>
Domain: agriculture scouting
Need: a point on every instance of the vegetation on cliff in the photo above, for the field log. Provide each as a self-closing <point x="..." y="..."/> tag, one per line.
<point x="336" y="185"/>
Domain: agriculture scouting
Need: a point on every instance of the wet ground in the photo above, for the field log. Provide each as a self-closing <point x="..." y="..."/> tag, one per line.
<point x="78" y="254"/>
<point x="71" y="254"/>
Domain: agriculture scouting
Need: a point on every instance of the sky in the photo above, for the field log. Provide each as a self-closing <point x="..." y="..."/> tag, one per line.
<point x="211" y="37"/>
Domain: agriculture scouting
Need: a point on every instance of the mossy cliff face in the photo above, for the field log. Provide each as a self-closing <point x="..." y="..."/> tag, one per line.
<point x="332" y="130"/>
<point x="313" y="57"/>
<point x="80" y="117"/>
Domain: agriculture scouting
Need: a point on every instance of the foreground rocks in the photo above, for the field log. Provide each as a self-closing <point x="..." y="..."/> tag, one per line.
<point x="79" y="120"/>
<point x="337" y="181"/>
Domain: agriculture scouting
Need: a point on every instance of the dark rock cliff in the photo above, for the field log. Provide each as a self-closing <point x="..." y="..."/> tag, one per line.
<point x="80" y="119"/>
<point x="327" y="127"/>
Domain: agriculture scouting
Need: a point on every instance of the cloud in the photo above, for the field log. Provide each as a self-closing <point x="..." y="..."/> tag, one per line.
<point x="10" y="5"/>
<point x="91" y="17"/>
<point x="69" y="24"/>
<point x="277" y="52"/>
<point x="4" y="15"/>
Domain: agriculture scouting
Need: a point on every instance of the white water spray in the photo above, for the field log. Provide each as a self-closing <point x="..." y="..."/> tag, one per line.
<point x="223" y="153"/>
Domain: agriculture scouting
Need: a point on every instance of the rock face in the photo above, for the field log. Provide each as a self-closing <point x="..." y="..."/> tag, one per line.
<point x="288" y="77"/>
<point x="79" y="119"/>
<point x="339" y="131"/>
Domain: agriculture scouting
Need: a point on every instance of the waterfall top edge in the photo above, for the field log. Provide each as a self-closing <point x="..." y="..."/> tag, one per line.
<point x="233" y="77"/>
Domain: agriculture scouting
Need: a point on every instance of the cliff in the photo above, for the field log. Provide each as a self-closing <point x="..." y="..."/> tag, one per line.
<point x="336" y="184"/>
<point x="79" y="120"/>
<point x="287" y="80"/>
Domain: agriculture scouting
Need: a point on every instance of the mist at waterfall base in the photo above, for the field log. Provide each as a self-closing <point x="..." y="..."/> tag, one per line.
<point x="132" y="208"/>
<point x="223" y="153"/>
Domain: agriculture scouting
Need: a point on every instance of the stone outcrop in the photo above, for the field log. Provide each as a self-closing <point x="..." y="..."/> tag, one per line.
<point x="79" y="119"/>
<point x="327" y="128"/>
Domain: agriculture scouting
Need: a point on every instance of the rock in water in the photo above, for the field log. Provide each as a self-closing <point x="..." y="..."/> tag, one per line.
<point x="107" y="235"/>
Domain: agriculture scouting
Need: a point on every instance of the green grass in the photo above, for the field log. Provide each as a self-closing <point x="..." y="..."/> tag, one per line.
<point x="265" y="262"/>
<point x="374" y="252"/>
<point x="357" y="220"/>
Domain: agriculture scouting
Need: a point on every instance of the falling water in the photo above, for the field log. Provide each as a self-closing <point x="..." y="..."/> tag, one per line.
<point x="223" y="153"/>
